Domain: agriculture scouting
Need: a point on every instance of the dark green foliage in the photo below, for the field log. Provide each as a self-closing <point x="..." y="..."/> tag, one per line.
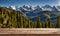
<point x="58" y="22"/>
<point x="39" y="25"/>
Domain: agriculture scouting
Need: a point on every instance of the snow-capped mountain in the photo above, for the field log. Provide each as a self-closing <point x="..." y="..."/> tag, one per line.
<point x="58" y="8"/>
<point x="13" y="7"/>
<point x="44" y="11"/>
<point x="28" y="8"/>
<point x="46" y="8"/>
<point x="36" y="10"/>
<point x="55" y="9"/>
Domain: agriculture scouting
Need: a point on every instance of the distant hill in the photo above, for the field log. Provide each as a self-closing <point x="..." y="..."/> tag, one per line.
<point x="10" y="18"/>
<point x="13" y="19"/>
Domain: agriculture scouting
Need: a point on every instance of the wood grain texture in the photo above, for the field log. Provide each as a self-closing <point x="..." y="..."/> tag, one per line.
<point x="44" y="35"/>
<point x="29" y="31"/>
<point x="29" y="35"/>
<point x="11" y="35"/>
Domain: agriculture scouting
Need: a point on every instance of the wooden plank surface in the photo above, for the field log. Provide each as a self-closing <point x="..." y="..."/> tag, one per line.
<point x="11" y="35"/>
<point x="30" y="35"/>
<point x="44" y="35"/>
<point x="29" y="31"/>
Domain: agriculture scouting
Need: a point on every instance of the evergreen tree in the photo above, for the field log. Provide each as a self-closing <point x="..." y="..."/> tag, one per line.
<point x="49" y="23"/>
<point x="39" y="25"/>
<point x="58" y="22"/>
<point x="43" y="24"/>
<point x="29" y="25"/>
<point x="34" y="25"/>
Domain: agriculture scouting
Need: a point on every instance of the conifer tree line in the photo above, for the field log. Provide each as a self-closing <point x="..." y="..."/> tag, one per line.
<point x="15" y="19"/>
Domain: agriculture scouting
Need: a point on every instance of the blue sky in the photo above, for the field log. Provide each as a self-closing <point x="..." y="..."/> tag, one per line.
<point x="29" y="2"/>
